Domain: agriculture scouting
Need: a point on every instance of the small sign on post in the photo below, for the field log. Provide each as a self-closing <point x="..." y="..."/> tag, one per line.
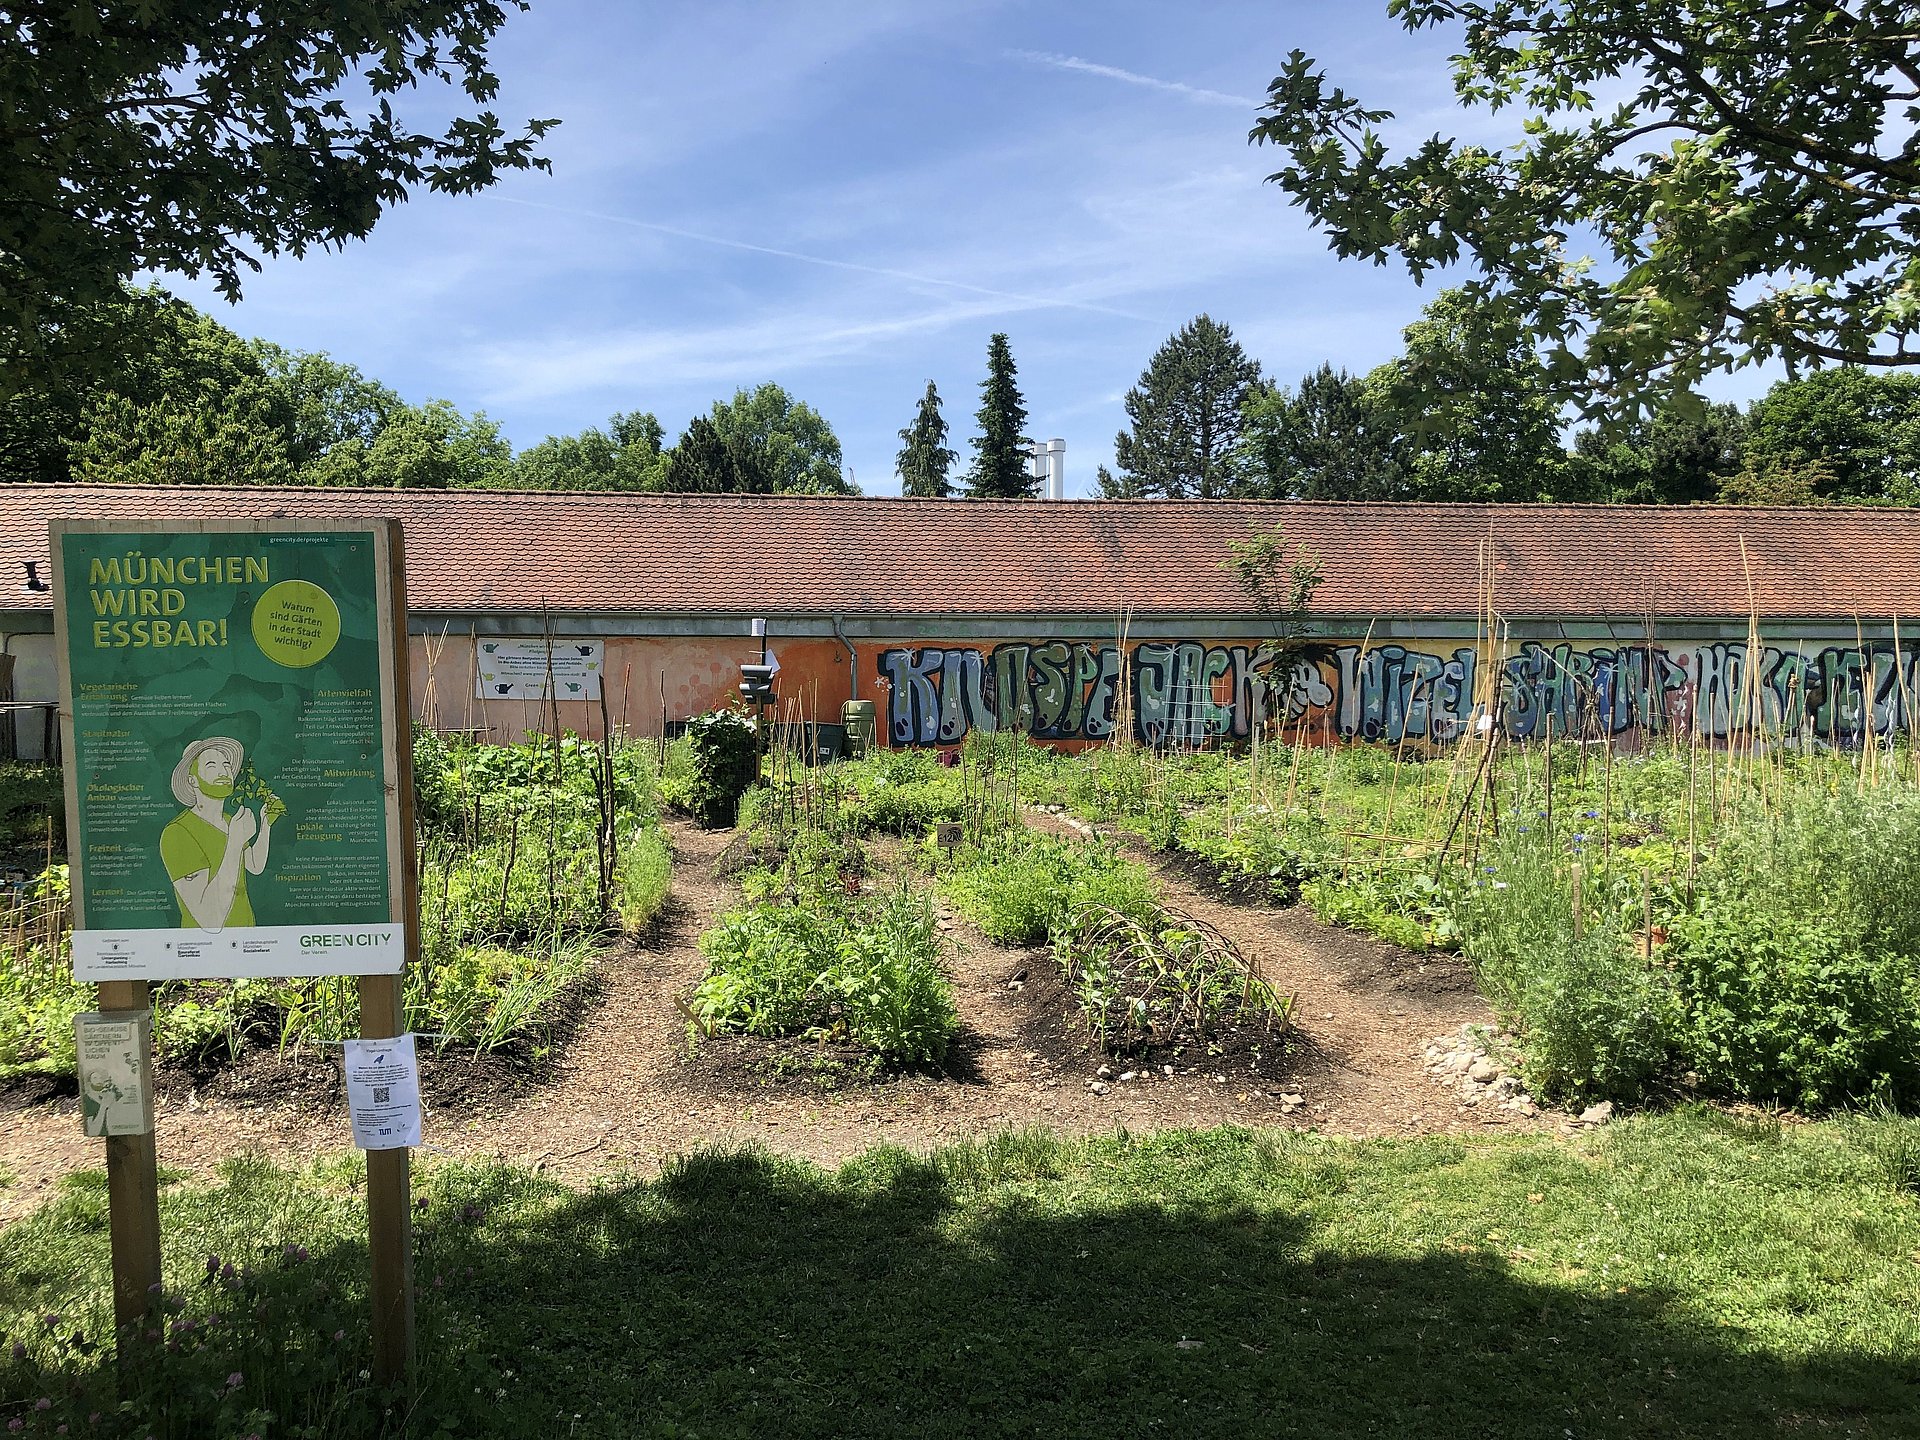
<point x="236" y="727"/>
<point x="116" y="1088"/>
<point x="383" y="1093"/>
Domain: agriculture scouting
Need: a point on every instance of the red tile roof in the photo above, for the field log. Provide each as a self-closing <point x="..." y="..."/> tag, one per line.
<point x="751" y="554"/>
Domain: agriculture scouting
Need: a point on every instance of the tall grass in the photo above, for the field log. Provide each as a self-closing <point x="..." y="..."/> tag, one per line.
<point x="1742" y="919"/>
<point x="38" y="994"/>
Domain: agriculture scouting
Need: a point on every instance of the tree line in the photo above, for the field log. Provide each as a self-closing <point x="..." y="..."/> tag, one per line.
<point x="1463" y="414"/>
<point x="186" y="401"/>
<point x="1755" y="197"/>
<point x="1469" y="412"/>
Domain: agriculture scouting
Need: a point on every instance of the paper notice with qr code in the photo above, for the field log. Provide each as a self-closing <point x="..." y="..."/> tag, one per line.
<point x="383" y="1093"/>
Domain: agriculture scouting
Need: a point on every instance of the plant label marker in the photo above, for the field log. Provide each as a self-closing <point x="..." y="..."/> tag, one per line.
<point x="234" y="714"/>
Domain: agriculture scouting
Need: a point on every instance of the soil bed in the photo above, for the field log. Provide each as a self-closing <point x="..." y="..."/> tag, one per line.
<point x="618" y="1089"/>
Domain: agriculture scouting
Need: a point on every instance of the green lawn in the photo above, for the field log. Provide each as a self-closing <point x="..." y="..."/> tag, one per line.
<point x="1680" y="1275"/>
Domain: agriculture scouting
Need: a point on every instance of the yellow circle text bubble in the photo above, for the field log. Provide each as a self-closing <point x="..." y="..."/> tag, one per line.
<point x="296" y="624"/>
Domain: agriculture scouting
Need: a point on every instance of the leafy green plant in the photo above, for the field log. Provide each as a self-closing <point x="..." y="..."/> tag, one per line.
<point x="38" y="994"/>
<point x="1407" y="905"/>
<point x="725" y="751"/>
<point x="512" y="902"/>
<point x="1017" y="887"/>
<point x="1272" y="853"/>
<point x="869" y="974"/>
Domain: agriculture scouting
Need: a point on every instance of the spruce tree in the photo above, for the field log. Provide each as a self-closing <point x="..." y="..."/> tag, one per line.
<point x="1187" y="417"/>
<point x="1337" y="437"/>
<point x="924" y="461"/>
<point x="1000" y="459"/>
<point x="703" y="463"/>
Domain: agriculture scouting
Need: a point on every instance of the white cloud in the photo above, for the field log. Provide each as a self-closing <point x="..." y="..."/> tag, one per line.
<point x="855" y="267"/>
<point x="1074" y="63"/>
<point x="716" y="358"/>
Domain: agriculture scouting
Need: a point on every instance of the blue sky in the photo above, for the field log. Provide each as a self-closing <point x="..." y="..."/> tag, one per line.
<point x="849" y="198"/>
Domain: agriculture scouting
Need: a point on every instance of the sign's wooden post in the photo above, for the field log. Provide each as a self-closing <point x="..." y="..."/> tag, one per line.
<point x="383" y="1014"/>
<point x="133" y="1189"/>
<point x="389" y="1221"/>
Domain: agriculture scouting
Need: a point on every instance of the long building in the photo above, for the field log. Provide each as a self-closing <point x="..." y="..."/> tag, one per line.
<point x="1067" y="620"/>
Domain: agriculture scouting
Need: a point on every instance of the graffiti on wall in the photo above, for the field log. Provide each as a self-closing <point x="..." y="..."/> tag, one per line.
<point x="1192" y="693"/>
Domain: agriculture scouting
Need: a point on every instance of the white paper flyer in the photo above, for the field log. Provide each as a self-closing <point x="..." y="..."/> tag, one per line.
<point x="383" y="1093"/>
<point x="115" y="1098"/>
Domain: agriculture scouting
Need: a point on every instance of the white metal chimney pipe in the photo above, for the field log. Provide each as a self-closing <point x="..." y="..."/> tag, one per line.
<point x="1057" y="469"/>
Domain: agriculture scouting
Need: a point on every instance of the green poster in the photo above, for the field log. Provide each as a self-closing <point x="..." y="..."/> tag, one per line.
<point x="229" y="759"/>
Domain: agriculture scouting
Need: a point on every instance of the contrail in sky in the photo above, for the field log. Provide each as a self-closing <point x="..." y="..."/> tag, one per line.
<point x="909" y="276"/>
<point x="1113" y="72"/>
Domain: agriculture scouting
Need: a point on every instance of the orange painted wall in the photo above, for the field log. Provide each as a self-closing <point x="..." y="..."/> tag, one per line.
<point x="645" y="678"/>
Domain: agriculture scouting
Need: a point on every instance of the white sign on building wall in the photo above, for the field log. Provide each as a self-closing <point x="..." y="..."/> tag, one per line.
<point x="521" y="669"/>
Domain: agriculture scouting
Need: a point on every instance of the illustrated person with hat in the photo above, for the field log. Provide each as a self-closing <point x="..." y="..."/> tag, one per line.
<point x="209" y="853"/>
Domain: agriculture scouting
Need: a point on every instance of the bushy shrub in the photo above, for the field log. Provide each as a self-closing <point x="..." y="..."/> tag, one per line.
<point x="906" y="792"/>
<point x="870" y="975"/>
<point x="1017" y="887"/>
<point x="1785" y="1007"/>
<point x="726" y="761"/>
<point x="1595" y="1020"/>
<point x="1800" y="960"/>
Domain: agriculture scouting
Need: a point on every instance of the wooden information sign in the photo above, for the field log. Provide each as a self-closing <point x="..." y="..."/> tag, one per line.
<point x="235" y="719"/>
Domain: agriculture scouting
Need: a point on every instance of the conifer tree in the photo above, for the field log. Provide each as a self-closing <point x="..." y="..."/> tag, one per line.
<point x="925" y="461"/>
<point x="1000" y="450"/>
<point x="1336" y="437"/>
<point x="1187" y="413"/>
<point x="704" y="463"/>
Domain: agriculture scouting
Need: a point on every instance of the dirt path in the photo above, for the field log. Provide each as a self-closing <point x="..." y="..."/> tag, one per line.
<point x="625" y="1093"/>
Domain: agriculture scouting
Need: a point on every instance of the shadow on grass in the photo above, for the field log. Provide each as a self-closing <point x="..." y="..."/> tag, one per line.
<point x="1007" y="1288"/>
<point x="746" y="1295"/>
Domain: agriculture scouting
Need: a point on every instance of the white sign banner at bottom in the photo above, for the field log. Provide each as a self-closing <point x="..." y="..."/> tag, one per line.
<point x="383" y="1093"/>
<point x="243" y="953"/>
